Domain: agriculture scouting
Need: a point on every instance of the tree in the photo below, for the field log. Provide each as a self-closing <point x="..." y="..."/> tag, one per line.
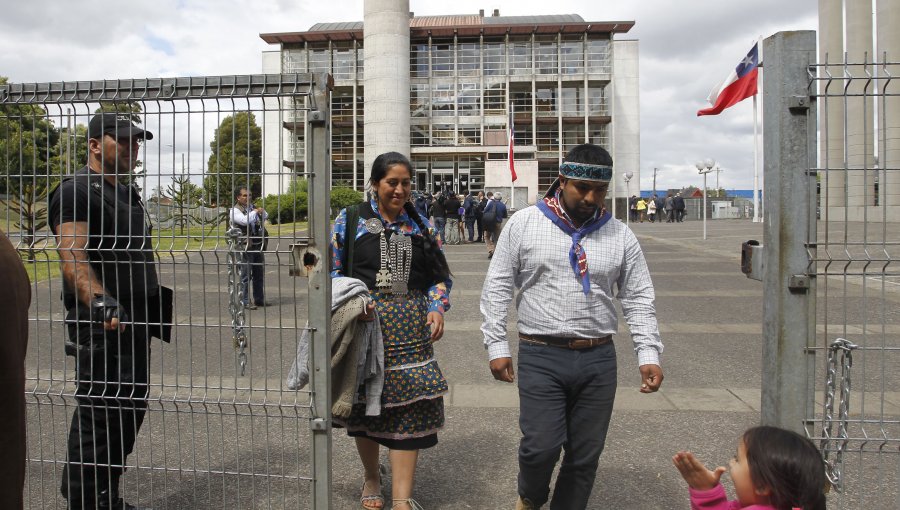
<point x="185" y="196"/>
<point x="28" y="143"/>
<point x="235" y="160"/>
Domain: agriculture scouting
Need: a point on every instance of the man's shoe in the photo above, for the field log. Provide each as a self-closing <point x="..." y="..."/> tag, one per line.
<point x="490" y="254"/>
<point x="250" y="306"/>
<point x="263" y="303"/>
<point x="524" y="504"/>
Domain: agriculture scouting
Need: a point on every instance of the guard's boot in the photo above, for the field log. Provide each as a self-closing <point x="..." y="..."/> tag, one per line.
<point x="112" y="501"/>
<point x="525" y="504"/>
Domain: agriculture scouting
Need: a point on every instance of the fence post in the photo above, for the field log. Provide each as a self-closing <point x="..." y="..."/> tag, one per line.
<point x="788" y="364"/>
<point x="318" y="168"/>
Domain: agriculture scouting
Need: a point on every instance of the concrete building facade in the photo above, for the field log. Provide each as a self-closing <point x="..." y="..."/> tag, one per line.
<point x="561" y="81"/>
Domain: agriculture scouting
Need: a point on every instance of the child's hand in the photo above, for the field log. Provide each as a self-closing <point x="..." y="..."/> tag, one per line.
<point x="695" y="473"/>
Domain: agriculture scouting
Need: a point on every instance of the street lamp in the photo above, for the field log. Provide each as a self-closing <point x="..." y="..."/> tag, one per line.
<point x="705" y="167"/>
<point x="627" y="176"/>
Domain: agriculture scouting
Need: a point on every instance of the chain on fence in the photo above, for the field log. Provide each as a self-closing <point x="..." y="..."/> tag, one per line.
<point x="221" y="428"/>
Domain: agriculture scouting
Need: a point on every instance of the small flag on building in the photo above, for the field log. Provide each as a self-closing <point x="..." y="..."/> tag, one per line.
<point x="739" y="85"/>
<point x="512" y="142"/>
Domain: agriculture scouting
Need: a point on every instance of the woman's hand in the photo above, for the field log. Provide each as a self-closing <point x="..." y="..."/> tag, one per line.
<point x="368" y="314"/>
<point x="695" y="473"/>
<point x="436" y="321"/>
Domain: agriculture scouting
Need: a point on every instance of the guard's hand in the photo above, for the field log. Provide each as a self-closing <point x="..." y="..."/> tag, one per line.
<point x="368" y="314"/>
<point x="695" y="473"/>
<point x="260" y="210"/>
<point x="107" y="310"/>
<point x="651" y="378"/>
<point x="436" y="321"/>
<point x="503" y="370"/>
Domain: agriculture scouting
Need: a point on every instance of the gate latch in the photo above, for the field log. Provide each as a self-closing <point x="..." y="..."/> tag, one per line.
<point x="799" y="284"/>
<point x="752" y="259"/>
<point x="798" y="104"/>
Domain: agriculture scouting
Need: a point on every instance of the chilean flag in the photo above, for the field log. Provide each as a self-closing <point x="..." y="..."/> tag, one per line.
<point x="739" y="85"/>
<point x="512" y="143"/>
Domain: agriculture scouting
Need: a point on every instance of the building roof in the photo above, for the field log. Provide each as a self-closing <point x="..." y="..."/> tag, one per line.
<point x="462" y="25"/>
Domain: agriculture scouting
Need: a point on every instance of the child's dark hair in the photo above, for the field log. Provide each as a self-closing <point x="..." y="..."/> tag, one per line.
<point x="789" y="465"/>
<point x="437" y="262"/>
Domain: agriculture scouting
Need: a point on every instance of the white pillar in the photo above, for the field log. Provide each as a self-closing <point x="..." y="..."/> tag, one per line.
<point x="860" y="120"/>
<point x="831" y="45"/>
<point x="386" y="46"/>
<point x="888" y="19"/>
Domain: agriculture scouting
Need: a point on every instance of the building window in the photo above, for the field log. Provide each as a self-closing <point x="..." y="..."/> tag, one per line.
<point x="418" y="61"/>
<point x="469" y="99"/>
<point x="547" y="137"/>
<point x="519" y="56"/>
<point x="545" y="102"/>
<point x="597" y="104"/>
<point x="443" y="102"/>
<point x="293" y="61"/>
<point x="443" y="135"/>
<point x="342" y="149"/>
<point x="418" y="135"/>
<point x="571" y="53"/>
<point x="419" y="100"/>
<point x="571" y="101"/>
<point x="319" y="60"/>
<point x="599" y="135"/>
<point x="297" y="146"/>
<point x="342" y="106"/>
<point x="468" y="58"/>
<point x="469" y="135"/>
<point x="524" y="134"/>
<point x="573" y="134"/>
<point x="520" y="96"/>
<point x="343" y="61"/>
<point x="495" y="99"/>
<point x="360" y="63"/>
<point x="598" y="56"/>
<point x="442" y="59"/>
<point x="545" y="61"/>
<point x="494" y="58"/>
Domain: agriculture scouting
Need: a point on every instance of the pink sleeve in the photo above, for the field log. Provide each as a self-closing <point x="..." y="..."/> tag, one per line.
<point x="712" y="499"/>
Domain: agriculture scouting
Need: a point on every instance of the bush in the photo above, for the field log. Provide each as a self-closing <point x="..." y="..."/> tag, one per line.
<point x="294" y="205"/>
<point x="342" y="196"/>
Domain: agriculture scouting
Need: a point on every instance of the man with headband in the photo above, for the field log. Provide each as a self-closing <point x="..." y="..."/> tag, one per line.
<point x="569" y="259"/>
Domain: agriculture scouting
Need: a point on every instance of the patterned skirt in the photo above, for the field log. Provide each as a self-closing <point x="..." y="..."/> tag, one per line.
<point x="412" y="403"/>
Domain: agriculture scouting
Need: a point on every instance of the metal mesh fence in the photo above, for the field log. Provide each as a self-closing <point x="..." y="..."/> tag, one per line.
<point x="221" y="428"/>
<point x="853" y="253"/>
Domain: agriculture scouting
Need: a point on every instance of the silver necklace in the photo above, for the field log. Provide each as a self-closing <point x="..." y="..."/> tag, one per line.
<point x="383" y="276"/>
<point x="400" y="254"/>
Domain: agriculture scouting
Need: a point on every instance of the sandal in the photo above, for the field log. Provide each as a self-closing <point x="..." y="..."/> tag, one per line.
<point x="373" y="501"/>
<point x="413" y="504"/>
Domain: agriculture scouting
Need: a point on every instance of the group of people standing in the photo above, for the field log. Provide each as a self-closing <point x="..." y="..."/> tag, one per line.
<point x="453" y="216"/>
<point x="566" y="259"/>
<point x="655" y="208"/>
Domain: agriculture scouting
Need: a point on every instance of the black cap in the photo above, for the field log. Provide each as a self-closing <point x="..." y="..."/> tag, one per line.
<point x="118" y="125"/>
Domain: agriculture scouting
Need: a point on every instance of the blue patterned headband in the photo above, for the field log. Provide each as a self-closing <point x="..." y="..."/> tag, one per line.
<point x="586" y="171"/>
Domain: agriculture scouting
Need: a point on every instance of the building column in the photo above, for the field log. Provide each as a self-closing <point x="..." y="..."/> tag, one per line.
<point x="831" y="51"/>
<point x="860" y="120"/>
<point x="888" y="19"/>
<point x="386" y="111"/>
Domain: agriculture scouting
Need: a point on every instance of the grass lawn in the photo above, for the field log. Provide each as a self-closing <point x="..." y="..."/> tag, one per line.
<point x="45" y="263"/>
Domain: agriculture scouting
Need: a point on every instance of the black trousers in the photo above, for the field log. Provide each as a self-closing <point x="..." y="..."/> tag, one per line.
<point x="470" y="227"/>
<point x="566" y="401"/>
<point x="111" y="401"/>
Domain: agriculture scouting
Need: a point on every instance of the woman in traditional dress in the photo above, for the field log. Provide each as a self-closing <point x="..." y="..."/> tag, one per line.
<point x="396" y="254"/>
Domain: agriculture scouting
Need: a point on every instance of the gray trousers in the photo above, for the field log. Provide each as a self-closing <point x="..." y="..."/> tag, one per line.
<point x="566" y="401"/>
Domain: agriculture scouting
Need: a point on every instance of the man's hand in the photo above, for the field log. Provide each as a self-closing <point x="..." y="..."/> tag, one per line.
<point x="260" y="210"/>
<point x="107" y="310"/>
<point x="502" y="368"/>
<point x="695" y="473"/>
<point x="651" y="378"/>
<point x="436" y="321"/>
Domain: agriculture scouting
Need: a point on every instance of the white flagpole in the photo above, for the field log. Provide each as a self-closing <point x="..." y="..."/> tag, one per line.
<point x="755" y="163"/>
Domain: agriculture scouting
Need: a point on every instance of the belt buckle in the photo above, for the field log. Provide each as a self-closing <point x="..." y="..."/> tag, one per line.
<point x="579" y="343"/>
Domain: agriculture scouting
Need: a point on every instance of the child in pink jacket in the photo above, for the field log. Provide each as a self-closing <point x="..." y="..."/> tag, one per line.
<point x="774" y="469"/>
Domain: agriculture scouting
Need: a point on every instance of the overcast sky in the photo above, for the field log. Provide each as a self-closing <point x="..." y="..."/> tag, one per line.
<point x="686" y="48"/>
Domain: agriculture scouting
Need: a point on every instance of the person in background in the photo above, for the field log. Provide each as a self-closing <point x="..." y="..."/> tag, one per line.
<point x="641" y="208"/>
<point x="250" y="220"/>
<point x="439" y="214"/>
<point x="480" y="203"/>
<point x="462" y="218"/>
<point x="470" y="205"/>
<point x="451" y="209"/>
<point x="651" y="208"/>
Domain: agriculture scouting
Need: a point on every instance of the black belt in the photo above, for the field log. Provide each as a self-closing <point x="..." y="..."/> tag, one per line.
<point x="564" y="342"/>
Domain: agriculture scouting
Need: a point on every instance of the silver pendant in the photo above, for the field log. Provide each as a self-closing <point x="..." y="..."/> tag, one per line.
<point x="383" y="280"/>
<point x="374" y="226"/>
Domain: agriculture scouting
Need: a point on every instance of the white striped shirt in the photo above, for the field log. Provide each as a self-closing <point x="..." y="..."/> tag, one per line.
<point x="532" y="254"/>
